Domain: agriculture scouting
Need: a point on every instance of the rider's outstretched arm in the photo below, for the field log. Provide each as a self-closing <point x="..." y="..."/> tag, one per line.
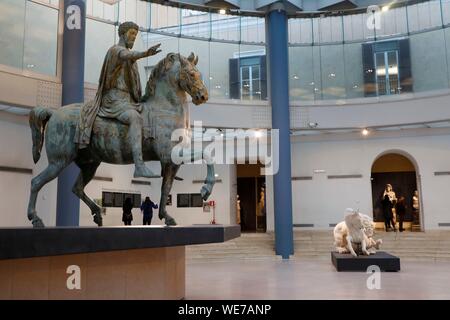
<point x="136" y="55"/>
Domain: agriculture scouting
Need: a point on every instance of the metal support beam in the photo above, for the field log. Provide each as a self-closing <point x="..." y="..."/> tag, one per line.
<point x="68" y="205"/>
<point x="277" y="48"/>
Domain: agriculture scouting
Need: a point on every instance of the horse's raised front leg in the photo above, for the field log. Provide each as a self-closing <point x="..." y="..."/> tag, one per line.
<point x="209" y="182"/>
<point x="50" y="173"/>
<point x="210" y="179"/>
<point x="85" y="176"/>
<point x="168" y="172"/>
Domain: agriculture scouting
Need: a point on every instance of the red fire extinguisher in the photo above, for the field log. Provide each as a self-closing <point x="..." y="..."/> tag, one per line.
<point x="212" y="204"/>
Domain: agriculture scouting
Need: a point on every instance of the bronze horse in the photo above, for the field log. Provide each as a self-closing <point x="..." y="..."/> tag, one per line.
<point x="165" y="109"/>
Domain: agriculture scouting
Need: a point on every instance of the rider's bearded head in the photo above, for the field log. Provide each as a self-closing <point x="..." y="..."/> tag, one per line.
<point x="128" y="30"/>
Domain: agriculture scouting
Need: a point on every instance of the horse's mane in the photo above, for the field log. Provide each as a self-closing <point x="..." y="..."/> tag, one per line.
<point x="161" y="67"/>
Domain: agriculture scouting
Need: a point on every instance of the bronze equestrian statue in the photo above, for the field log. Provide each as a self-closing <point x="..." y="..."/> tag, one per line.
<point x="162" y="110"/>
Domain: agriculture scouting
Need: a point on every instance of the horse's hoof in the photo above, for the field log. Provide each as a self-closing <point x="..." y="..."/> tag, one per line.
<point x="170" y="222"/>
<point x="205" y="193"/>
<point x="98" y="220"/>
<point x="37" y="223"/>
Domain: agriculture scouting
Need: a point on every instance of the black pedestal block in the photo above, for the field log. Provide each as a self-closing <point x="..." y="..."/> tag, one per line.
<point x="346" y="262"/>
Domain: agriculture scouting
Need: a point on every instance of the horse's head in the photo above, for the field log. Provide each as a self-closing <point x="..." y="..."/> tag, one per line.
<point x="190" y="79"/>
<point x="180" y="72"/>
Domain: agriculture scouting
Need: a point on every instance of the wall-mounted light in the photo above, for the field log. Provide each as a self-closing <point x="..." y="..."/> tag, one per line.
<point x="385" y="8"/>
<point x="365" y="132"/>
<point x="222" y="11"/>
<point x="312" y="124"/>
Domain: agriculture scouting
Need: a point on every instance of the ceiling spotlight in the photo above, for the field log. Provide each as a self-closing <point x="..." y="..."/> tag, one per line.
<point x="223" y="11"/>
<point x="365" y="132"/>
<point x="258" y="134"/>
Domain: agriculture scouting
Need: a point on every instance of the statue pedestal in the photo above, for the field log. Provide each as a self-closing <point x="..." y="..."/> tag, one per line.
<point x="100" y="263"/>
<point x="346" y="262"/>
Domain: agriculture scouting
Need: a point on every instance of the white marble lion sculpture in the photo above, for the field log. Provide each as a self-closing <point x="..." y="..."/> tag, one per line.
<point x="355" y="234"/>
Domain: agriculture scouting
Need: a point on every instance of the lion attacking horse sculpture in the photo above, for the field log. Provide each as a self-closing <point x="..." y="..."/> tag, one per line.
<point x="355" y="234"/>
<point x="165" y="109"/>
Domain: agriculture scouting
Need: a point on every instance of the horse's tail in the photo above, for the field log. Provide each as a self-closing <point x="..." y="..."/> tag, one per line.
<point x="38" y="118"/>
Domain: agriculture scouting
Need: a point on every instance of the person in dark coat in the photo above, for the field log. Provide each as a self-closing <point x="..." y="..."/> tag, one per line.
<point x="387" y="212"/>
<point x="127" y="216"/>
<point x="400" y="209"/>
<point x="147" y="209"/>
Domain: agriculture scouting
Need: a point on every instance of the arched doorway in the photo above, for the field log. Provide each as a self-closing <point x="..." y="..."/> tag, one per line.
<point x="400" y="171"/>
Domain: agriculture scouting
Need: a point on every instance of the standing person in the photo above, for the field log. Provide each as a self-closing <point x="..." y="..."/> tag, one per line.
<point x="387" y="212"/>
<point x="415" y="207"/>
<point x="400" y="209"/>
<point x="127" y="216"/>
<point x="147" y="209"/>
<point x="392" y="197"/>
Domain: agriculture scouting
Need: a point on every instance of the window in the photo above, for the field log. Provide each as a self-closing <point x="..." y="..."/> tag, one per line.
<point x="196" y="200"/>
<point x="248" y="78"/>
<point x="116" y="199"/>
<point x="251" y="81"/>
<point x="183" y="200"/>
<point x="387" y="68"/>
<point x="189" y="200"/>
<point x="387" y="73"/>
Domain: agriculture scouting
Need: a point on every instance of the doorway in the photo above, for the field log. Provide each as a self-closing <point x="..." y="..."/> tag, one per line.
<point x="251" y="190"/>
<point x="400" y="172"/>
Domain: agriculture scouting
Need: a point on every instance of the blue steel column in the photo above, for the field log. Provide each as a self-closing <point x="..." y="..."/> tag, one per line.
<point x="277" y="45"/>
<point x="68" y="205"/>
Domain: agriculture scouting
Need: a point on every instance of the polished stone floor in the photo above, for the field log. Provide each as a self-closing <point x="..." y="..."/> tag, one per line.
<point x="299" y="279"/>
